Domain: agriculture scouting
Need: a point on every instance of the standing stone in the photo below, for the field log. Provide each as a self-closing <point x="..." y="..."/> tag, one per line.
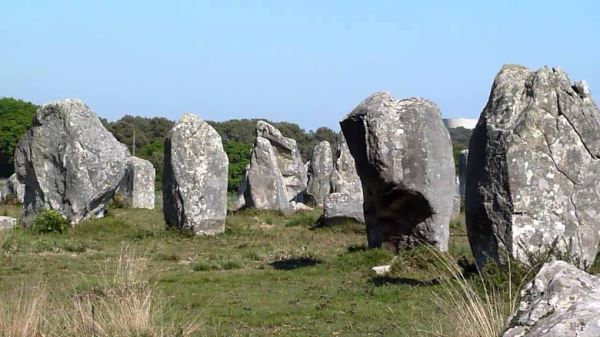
<point x="319" y="173"/>
<point x="404" y="159"/>
<point x="462" y="171"/>
<point x="533" y="168"/>
<point x="277" y="175"/>
<point x="7" y="223"/>
<point x="69" y="163"/>
<point x="138" y="183"/>
<point x="195" y="177"/>
<point x="14" y="189"/>
<point x="346" y="200"/>
<point x="561" y="301"/>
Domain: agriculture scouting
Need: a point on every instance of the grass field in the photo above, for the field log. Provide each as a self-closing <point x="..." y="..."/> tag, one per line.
<point x="267" y="275"/>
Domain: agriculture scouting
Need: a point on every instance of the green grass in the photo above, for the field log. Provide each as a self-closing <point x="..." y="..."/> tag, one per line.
<point x="267" y="275"/>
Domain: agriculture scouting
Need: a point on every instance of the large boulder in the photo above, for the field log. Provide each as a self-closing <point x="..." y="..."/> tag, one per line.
<point x="69" y="163"/>
<point x="346" y="200"/>
<point x="138" y="183"/>
<point x="195" y="177"/>
<point x="277" y="175"/>
<point x="561" y="301"/>
<point x="14" y="190"/>
<point x="403" y="156"/>
<point x="341" y="207"/>
<point x="319" y="173"/>
<point x="533" y="168"/>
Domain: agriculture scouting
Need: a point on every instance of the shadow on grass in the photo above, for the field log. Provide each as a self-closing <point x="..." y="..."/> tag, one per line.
<point x="295" y="263"/>
<point x="357" y="248"/>
<point x="379" y="281"/>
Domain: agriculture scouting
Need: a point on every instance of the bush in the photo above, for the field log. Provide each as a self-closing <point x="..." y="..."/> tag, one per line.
<point x="119" y="201"/>
<point x="49" y="221"/>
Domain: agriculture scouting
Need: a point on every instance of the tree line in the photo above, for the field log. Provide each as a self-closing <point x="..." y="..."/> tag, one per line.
<point x="150" y="132"/>
<point x="237" y="136"/>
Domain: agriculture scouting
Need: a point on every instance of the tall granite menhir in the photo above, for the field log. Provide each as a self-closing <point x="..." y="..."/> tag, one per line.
<point x="533" y="168"/>
<point x="319" y="173"/>
<point x="195" y="177"/>
<point x="346" y="200"/>
<point x="403" y="156"/>
<point x="138" y="184"/>
<point x="68" y="162"/>
<point x="276" y="179"/>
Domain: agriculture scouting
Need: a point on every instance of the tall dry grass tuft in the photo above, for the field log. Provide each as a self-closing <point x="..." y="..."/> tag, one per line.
<point x="125" y="305"/>
<point x="469" y="308"/>
<point x="21" y="315"/>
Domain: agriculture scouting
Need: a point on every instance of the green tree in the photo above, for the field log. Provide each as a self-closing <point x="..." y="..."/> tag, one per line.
<point x="15" y="118"/>
<point x="460" y="141"/>
<point x="239" y="157"/>
<point x="154" y="152"/>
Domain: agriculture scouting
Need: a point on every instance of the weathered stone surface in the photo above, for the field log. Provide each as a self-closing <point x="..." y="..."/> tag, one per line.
<point x="462" y="171"/>
<point x="137" y="185"/>
<point x="455" y="207"/>
<point x="532" y="172"/>
<point x="69" y="162"/>
<point x="344" y="178"/>
<point x="195" y="177"/>
<point x="561" y="301"/>
<point x="319" y="173"/>
<point x="346" y="201"/>
<point x="339" y="207"/>
<point x="298" y="206"/>
<point x="277" y="175"/>
<point x="14" y="189"/>
<point x="7" y="223"/>
<point x="403" y="156"/>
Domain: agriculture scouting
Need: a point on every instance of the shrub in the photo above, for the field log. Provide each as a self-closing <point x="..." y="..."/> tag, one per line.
<point x="231" y="264"/>
<point x="119" y="201"/>
<point x="49" y="221"/>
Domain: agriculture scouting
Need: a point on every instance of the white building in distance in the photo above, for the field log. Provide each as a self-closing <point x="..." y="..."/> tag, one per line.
<point x="467" y="123"/>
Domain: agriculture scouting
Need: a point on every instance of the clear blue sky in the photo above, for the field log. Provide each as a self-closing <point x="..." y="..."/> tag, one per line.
<point x="308" y="62"/>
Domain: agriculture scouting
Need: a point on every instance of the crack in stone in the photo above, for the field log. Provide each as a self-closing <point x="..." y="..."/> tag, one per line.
<point x="561" y="113"/>
<point x="578" y="226"/>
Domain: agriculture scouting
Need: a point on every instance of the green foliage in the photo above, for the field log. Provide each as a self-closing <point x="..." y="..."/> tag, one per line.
<point x="239" y="157"/>
<point x="154" y="152"/>
<point x="15" y="118"/>
<point x="150" y="135"/>
<point x="119" y="201"/>
<point x="50" y="221"/>
<point x="242" y="131"/>
<point x="460" y="141"/>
